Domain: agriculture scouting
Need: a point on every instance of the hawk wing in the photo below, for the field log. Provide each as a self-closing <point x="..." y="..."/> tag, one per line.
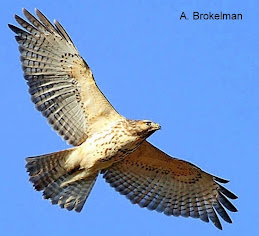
<point x="60" y="82"/>
<point x="150" y="178"/>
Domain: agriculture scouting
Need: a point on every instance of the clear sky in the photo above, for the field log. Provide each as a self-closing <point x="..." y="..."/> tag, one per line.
<point x="198" y="79"/>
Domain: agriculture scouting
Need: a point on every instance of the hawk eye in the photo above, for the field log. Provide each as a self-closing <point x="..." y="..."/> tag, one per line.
<point x="148" y="123"/>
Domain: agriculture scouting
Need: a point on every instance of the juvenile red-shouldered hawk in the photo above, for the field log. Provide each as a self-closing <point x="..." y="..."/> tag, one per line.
<point x="63" y="89"/>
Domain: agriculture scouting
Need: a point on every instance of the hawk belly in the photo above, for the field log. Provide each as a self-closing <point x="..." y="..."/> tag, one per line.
<point x="104" y="148"/>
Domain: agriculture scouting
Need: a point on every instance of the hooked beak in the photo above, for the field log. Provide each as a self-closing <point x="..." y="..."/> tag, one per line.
<point x="158" y="127"/>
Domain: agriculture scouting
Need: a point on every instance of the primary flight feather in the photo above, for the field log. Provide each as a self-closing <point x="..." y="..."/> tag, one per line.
<point x="63" y="89"/>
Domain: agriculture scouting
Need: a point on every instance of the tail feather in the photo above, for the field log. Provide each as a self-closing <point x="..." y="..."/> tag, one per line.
<point x="45" y="169"/>
<point x="48" y="173"/>
<point x="73" y="195"/>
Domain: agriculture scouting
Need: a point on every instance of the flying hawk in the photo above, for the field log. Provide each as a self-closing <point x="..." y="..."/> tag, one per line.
<point x="63" y="89"/>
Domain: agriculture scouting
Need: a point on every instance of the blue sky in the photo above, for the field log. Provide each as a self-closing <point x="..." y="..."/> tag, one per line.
<point x="198" y="79"/>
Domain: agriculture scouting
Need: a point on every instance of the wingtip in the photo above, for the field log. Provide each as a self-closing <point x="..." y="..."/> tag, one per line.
<point x="10" y="26"/>
<point x="13" y="28"/>
<point x="224" y="181"/>
<point x="18" y="19"/>
<point x="26" y="13"/>
<point x="217" y="224"/>
<point x="235" y="210"/>
<point x="37" y="11"/>
<point x="16" y="16"/>
<point x="28" y="159"/>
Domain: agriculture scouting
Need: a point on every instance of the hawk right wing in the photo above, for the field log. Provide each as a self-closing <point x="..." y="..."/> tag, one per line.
<point x="60" y="82"/>
<point x="150" y="178"/>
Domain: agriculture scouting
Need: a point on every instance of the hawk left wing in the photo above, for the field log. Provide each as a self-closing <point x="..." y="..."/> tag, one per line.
<point x="61" y="84"/>
<point x="150" y="178"/>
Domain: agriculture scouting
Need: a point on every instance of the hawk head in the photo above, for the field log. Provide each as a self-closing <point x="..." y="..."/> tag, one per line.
<point x="144" y="128"/>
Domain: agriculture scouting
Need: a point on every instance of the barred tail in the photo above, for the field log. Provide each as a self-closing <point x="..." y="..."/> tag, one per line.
<point x="47" y="173"/>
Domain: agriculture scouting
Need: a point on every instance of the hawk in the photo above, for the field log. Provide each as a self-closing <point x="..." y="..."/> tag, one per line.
<point x="63" y="89"/>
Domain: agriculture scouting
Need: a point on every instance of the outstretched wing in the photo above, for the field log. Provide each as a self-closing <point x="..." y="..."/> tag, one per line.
<point x="60" y="82"/>
<point x="150" y="178"/>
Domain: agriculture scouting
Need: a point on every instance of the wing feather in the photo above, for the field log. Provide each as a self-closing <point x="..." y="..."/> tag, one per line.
<point x="60" y="82"/>
<point x="150" y="178"/>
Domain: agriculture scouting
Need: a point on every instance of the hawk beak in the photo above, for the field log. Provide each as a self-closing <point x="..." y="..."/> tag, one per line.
<point x="158" y="127"/>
